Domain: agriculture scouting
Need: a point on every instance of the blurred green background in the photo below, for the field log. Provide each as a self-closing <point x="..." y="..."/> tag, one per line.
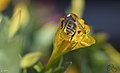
<point x="28" y="26"/>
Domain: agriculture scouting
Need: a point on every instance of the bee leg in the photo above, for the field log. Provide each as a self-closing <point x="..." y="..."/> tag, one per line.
<point x="73" y="35"/>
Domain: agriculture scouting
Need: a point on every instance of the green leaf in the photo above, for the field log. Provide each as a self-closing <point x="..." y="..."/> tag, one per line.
<point x="9" y="49"/>
<point x="9" y="55"/>
<point x="3" y="30"/>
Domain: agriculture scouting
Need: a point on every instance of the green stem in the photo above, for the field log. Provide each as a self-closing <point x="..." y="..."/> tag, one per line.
<point x="55" y="55"/>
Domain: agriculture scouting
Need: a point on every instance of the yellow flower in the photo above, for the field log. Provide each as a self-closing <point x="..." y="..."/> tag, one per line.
<point x="72" y="34"/>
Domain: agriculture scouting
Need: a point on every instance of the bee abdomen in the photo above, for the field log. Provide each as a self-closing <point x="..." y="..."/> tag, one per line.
<point x="70" y="27"/>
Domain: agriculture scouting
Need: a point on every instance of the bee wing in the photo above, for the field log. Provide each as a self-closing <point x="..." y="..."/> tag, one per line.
<point x="85" y="42"/>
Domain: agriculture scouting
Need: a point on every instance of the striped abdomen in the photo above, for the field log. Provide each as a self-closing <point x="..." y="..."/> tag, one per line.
<point x="70" y="27"/>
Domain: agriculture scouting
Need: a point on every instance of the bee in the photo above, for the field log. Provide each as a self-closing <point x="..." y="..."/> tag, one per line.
<point x="70" y="25"/>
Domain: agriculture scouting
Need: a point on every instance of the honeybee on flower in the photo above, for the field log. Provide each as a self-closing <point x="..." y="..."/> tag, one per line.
<point x="72" y="34"/>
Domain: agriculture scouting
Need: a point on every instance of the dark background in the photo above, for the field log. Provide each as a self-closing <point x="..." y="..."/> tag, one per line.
<point x="104" y="16"/>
